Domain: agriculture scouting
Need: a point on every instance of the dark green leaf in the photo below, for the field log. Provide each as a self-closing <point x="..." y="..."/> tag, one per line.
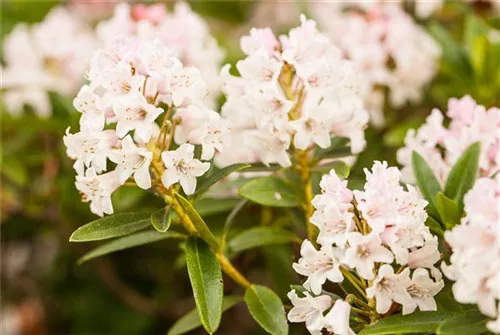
<point x="469" y="323"/>
<point x="197" y="221"/>
<point x="426" y="181"/>
<point x="161" y="219"/>
<point x="340" y="167"/>
<point x="191" y="320"/>
<point x="270" y="191"/>
<point x="463" y="174"/>
<point x="260" y="236"/>
<point x="212" y="206"/>
<point x="111" y="226"/>
<point x="205" y="183"/>
<point x="434" y="226"/>
<point x="129" y="241"/>
<point x="267" y="309"/>
<point x="206" y="280"/>
<point x="448" y="211"/>
<point x="418" y="322"/>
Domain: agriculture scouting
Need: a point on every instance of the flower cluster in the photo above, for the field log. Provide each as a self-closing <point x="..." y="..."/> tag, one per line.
<point x="183" y="31"/>
<point x="475" y="246"/>
<point x="377" y="235"/>
<point x="128" y="81"/>
<point x="50" y="56"/>
<point x="297" y="89"/>
<point x="387" y="45"/>
<point x="441" y="146"/>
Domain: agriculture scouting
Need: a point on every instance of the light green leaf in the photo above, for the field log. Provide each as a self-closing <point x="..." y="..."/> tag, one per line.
<point x="111" y="226"/>
<point x="270" y="191"/>
<point x="161" y="219"/>
<point x="191" y="320"/>
<point x="206" y="280"/>
<point x="267" y="309"/>
<point x="205" y="182"/>
<point x="340" y="167"/>
<point x="129" y="241"/>
<point x="260" y="236"/>
<point x="463" y="174"/>
<point x="426" y="182"/>
<point x="448" y="211"/>
<point x="418" y="322"/>
<point x="469" y="323"/>
<point x="198" y="222"/>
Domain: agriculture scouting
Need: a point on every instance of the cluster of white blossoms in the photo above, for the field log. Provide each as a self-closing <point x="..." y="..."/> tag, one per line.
<point x="297" y="89"/>
<point x="377" y="235"/>
<point x="128" y="81"/>
<point x="387" y="45"/>
<point x="441" y="146"/>
<point x="50" y="56"/>
<point x="475" y="247"/>
<point x="182" y="30"/>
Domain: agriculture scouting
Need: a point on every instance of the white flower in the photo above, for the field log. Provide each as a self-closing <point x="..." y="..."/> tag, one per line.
<point x="337" y="319"/>
<point x="132" y="160"/>
<point x="311" y="130"/>
<point x="309" y="310"/>
<point x="388" y="287"/>
<point x="364" y="251"/>
<point x="334" y="224"/>
<point x="86" y="102"/>
<point x="186" y="83"/>
<point x="90" y="148"/>
<point x="97" y="190"/>
<point x="319" y="265"/>
<point x="422" y="290"/>
<point x="182" y="167"/>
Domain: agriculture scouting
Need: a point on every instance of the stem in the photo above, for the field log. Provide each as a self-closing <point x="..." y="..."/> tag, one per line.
<point x="305" y="174"/>
<point x="231" y="271"/>
<point x="353" y="281"/>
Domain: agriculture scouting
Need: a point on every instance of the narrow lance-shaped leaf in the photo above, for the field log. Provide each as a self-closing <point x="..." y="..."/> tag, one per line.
<point x="260" y="236"/>
<point x="448" y="211"/>
<point x="205" y="182"/>
<point x="197" y="221"/>
<point x="463" y="174"/>
<point x="469" y="323"/>
<point x="161" y="219"/>
<point x="191" y="320"/>
<point x="340" y="167"/>
<point x="129" y="241"/>
<point x="267" y="309"/>
<point x="270" y="191"/>
<point x="418" y="322"/>
<point x="426" y="182"/>
<point x="206" y="280"/>
<point x="111" y="226"/>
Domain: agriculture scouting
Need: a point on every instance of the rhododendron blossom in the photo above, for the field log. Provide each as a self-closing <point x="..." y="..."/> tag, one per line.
<point x="387" y="46"/>
<point x="292" y="91"/>
<point x="441" y="146"/>
<point x="182" y="30"/>
<point x="475" y="251"/>
<point x="387" y="252"/>
<point x="50" y="56"/>
<point x="129" y="81"/>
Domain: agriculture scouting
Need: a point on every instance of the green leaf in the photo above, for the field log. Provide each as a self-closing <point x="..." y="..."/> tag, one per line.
<point x="212" y="206"/>
<point x="426" y="182"/>
<point x="340" y="167"/>
<point x="206" y="280"/>
<point x="469" y="323"/>
<point x="205" y="182"/>
<point x="191" y="320"/>
<point x="270" y="191"/>
<point x="198" y="222"/>
<point x="448" y="211"/>
<point x="463" y="174"/>
<point x="161" y="219"/>
<point x="111" y="226"/>
<point x="434" y="226"/>
<point x="267" y="309"/>
<point x="418" y="322"/>
<point x="260" y="236"/>
<point x="129" y="241"/>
